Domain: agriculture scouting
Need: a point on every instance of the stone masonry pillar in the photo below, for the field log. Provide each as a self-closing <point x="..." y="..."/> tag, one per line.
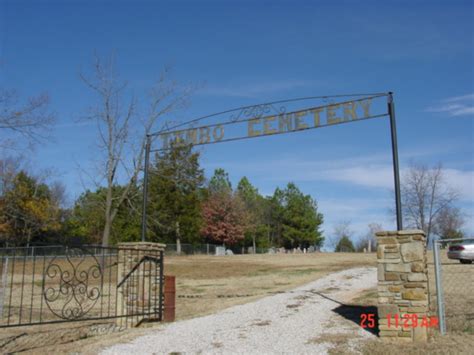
<point x="138" y="282"/>
<point x="402" y="285"/>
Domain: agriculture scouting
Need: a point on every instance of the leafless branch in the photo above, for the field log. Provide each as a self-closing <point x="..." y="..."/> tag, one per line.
<point x="122" y="130"/>
<point x="425" y="195"/>
<point x="31" y="120"/>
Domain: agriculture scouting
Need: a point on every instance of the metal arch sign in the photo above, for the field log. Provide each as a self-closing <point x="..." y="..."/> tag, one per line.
<point x="272" y="119"/>
<point x="259" y="125"/>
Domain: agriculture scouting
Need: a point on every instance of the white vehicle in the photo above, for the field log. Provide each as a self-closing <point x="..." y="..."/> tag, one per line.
<point x="464" y="252"/>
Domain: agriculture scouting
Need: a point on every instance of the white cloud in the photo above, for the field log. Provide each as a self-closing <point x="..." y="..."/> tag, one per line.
<point x="468" y="97"/>
<point x="455" y="106"/>
<point x="381" y="176"/>
<point x="462" y="181"/>
<point x="373" y="171"/>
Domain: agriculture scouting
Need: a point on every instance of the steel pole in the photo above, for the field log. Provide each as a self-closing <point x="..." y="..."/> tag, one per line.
<point x="145" y="186"/>
<point x="396" y="169"/>
<point x="439" y="288"/>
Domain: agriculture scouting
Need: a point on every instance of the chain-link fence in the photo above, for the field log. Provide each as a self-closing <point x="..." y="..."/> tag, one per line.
<point x="452" y="284"/>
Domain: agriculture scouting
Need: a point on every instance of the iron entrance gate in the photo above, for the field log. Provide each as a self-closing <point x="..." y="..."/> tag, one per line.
<point x="44" y="285"/>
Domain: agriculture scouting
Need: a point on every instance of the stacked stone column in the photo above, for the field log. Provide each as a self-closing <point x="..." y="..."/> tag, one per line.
<point x="139" y="294"/>
<point x="402" y="284"/>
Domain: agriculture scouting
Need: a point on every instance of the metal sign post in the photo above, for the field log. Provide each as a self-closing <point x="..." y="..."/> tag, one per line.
<point x="396" y="170"/>
<point x="439" y="288"/>
<point x="145" y="186"/>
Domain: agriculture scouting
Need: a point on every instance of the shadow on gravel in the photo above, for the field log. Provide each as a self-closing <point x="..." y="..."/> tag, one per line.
<point x="357" y="314"/>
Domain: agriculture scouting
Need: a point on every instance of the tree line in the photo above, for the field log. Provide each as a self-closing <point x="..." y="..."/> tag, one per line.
<point x="183" y="207"/>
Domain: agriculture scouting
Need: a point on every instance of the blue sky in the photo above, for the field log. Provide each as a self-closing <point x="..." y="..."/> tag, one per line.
<point x="247" y="52"/>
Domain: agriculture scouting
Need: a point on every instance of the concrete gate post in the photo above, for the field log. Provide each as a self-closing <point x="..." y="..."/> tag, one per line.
<point x="138" y="288"/>
<point x="403" y="300"/>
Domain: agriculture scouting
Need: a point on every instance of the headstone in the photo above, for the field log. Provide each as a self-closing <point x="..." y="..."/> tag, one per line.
<point x="229" y="252"/>
<point x="311" y="249"/>
<point x="220" y="251"/>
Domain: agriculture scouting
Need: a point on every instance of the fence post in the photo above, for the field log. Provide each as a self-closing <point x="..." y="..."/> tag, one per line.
<point x="439" y="288"/>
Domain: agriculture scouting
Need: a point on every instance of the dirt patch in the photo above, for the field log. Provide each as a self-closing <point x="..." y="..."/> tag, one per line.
<point x="302" y="298"/>
<point x="331" y="289"/>
<point x="217" y="345"/>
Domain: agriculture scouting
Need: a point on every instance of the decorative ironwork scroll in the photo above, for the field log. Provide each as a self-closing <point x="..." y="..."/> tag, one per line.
<point x="257" y="111"/>
<point x="72" y="285"/>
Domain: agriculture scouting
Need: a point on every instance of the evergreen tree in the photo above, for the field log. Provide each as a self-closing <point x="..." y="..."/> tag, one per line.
<point x="345" y="245"/>
<point x="220" y="182"/>
<point x="175" y="190"/>
<point x="296" y="218"/>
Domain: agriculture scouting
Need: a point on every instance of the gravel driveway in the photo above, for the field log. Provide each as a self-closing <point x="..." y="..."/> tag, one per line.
<point x="297" y="321"/>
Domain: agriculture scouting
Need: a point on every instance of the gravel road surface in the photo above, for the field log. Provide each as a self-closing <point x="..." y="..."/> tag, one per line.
<point x="301" y="321"/>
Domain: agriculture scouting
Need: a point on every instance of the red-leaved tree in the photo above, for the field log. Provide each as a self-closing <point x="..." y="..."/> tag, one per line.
<point x="224" y="218"/>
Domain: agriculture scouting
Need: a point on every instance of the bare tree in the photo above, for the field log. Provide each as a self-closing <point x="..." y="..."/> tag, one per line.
<point x="9" y="167"/>
<point x="341" y="229"/>
<point x="58" y="193"/>
<point x="122" y="128"/>
<point x="425" y="195"/>
<point x="449" y="223"/>
<point x="368" y="242"/>
<point x="31" y="120"/>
